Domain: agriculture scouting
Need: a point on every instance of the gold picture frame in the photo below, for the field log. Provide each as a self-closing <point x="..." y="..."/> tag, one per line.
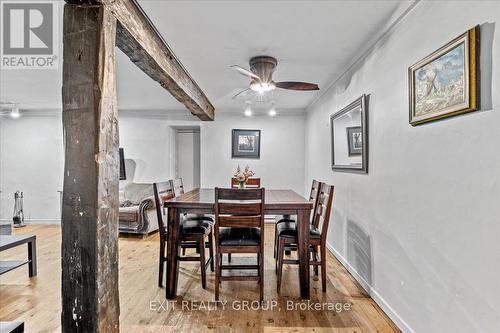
<point x="446" y="82"/>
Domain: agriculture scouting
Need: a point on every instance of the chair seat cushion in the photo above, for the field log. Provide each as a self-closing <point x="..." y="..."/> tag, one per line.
<point x="239" y="236"/>
<point x="196" y="217"/>
<point x="289" y="229"/>
<point x="195" y="226"/>
<point x="285" y="218"/>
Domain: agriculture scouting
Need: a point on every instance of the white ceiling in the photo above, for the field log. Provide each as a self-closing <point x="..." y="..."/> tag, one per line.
<point x="314" y="41"/>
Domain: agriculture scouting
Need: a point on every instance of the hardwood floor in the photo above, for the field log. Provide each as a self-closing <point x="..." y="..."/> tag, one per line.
<point x="37" y="301"/>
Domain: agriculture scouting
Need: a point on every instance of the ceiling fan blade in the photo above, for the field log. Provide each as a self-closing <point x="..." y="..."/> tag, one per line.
<point x="245" y="72"/>
<point x="242" y="93"/>
<point x="297" y="85"/>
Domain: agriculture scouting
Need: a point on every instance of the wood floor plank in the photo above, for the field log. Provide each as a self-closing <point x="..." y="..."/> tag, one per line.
<point x="37" y="301"/>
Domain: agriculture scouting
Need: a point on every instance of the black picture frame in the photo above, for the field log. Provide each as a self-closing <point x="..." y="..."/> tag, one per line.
<point x="123" y="173"/>
<point x="354" y="140"/>
<point x="245" y="143"/>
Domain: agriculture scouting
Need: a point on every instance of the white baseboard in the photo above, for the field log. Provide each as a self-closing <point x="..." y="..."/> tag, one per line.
<point x="372" y="292"/>
<point x="36" y="221"/>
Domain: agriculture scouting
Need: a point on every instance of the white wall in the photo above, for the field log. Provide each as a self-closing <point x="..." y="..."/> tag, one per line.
<point x="281" y="163"/>
<point x="32" y="156"/>
<point x="32" y="162"/>
<point x="146" y="145"/>
<point x="421" y="231"/>
<point x="188" y="158"/>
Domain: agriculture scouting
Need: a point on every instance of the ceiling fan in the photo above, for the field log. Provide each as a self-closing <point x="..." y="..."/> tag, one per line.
<point x="261" y="73"/>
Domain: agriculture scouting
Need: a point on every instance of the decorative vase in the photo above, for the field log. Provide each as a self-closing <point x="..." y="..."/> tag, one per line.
<point x="242" y="184"/>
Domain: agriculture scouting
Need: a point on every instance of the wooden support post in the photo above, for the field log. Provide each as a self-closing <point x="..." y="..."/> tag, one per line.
<point x="90" y="301"/>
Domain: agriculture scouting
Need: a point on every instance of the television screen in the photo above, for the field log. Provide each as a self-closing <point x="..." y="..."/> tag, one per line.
<point x="123" y="174"/>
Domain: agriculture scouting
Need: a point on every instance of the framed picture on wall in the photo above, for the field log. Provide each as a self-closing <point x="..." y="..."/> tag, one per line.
<point x="123" y="173"/>
<point x="446" y="83"/>
<point x="350" y="152"/>
<point x="354" y="140"/>
<point x="245" y="143"/>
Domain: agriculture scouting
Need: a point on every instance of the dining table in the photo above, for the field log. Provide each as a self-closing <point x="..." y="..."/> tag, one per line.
<point x="202" y="201"/>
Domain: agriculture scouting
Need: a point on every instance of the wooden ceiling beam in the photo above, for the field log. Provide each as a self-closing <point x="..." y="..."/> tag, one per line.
<point x="138" y="38"/>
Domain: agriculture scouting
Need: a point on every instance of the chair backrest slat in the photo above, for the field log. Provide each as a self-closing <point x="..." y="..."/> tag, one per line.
<point x="251" y="183"/>
<point x="324" y="207"/>
<point x="245" y="221"/>
<point x="315" y="188"/>
<point x="239" y="208"/>
<point x="163" y="191"/>
<point x="239" y="194"/>
<point x="314" y="198"/>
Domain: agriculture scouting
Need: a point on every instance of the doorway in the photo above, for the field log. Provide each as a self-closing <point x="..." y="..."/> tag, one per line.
<point x="187" y="156"/>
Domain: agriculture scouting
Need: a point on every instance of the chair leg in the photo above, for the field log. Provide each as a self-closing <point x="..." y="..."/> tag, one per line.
<point x="276" y="264"/>
<point x="162" y="264"/>
<point x="275" y="239"/>
<point x="323" y="267"/>
<point x="201" y="249"/>
<point x="217" y="274"/>
<point x="229" y="257"/>
<point x="211" y="250"/>
<point x="281" y="252"/>
<point x="276" y="261"/>
<point x="220" y="268"/>
<point x="183" y="251"/>
<point x="260" y="259"/>
<point x="315" y="258"/>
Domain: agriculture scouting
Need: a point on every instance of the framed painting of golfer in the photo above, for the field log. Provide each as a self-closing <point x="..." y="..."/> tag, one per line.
<point x="446" y="83"/>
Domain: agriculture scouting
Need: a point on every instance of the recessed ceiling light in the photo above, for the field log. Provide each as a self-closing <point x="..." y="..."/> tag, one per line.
<point x="272" y="111"/>
<point x="248" y="111"/>
<point x="15" y="113"/>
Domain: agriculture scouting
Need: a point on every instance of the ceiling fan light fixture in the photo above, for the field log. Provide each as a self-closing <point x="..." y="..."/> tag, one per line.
<point x="262" y="87"/>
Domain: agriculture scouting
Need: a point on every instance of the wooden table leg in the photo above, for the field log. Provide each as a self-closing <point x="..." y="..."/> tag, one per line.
<point x="173" y="234"/>
<point x="32" y="257"/>
<point x="303" y="252"/>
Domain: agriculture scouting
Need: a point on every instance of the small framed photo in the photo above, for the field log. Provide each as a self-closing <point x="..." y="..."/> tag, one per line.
<point x="245" y="143"/>
<point x="354" y="140"/>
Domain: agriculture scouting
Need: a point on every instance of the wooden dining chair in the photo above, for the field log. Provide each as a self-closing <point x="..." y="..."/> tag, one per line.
<point x="178" y="186"/>
<point x="287" y="234"/>
<point x="314" y="198"/>
<point x="251" y="183"/>
<point x="239" y="228"/>
<point x="193" y="234"/>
